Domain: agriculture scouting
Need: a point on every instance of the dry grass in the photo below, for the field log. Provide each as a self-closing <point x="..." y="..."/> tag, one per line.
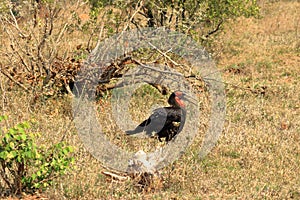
<point x="258" y="154"/>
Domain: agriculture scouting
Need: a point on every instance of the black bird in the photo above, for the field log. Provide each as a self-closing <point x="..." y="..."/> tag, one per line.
<point x="166" y="122"/>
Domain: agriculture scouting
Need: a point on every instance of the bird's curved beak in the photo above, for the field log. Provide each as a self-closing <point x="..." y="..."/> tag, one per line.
<point x="190" y="99"/>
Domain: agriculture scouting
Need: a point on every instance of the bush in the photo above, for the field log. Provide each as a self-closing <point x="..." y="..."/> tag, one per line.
<point x="40" y="45"/>
<point x="26" y="166"/>
<point x="200" y="19"/>
<point x="43" y="45"/>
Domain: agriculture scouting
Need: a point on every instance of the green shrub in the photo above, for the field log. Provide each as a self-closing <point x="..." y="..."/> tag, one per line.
<point x="24" y="166"/>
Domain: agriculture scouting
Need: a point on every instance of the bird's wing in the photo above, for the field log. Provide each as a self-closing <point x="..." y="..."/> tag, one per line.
<point x="158" y="120"/>
<point x="173" y="125"/>
<point x="153" y="124"/>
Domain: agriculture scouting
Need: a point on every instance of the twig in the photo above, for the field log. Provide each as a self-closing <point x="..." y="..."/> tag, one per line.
<point x="211" y="79"/>
<point x="61" y="32"/>
<point x="15" y="24"/>
<point x="15" y="42"/>
<point x="99" y="36"/>
<point x="215" y="30"/>
<point x="116" y="176"/>
<point x="140" y="3"/>
<point x="4" y="176"/>
<point x="13" y="80"/>
<point x="155" y="69"/>
<point x="164" y="54"/>
<point x="137" y="9"/>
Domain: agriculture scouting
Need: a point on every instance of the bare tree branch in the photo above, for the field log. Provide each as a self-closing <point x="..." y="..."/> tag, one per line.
<point x="13" y="80"/>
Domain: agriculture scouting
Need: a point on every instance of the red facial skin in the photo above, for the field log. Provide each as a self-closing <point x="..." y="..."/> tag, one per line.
<point x="178" y="99"/>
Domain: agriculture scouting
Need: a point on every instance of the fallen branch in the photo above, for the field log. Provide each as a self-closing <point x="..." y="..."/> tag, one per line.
<point x="115" y="176"/>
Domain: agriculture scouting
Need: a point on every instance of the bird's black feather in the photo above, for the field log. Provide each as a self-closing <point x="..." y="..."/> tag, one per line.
<point x="166" y="122"/>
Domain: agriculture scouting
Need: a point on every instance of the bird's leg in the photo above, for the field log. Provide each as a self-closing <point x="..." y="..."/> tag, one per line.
<point x="159" y="139"/>
<point x="167" y="138"/>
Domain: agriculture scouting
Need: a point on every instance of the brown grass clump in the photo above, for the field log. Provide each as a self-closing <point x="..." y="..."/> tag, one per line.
<point x="258" y="154"/>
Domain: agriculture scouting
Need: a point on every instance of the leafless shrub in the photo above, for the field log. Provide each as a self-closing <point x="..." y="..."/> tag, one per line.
<point x="37" y="44"/>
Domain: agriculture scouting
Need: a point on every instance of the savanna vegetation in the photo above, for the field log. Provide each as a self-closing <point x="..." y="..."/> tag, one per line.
<point x="256" y="49"/>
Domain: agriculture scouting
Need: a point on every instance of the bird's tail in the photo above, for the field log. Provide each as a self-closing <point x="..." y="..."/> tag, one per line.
<point x="137" y="130"/>
<point x="130" y="132"/>
<point x="140" y="128"/>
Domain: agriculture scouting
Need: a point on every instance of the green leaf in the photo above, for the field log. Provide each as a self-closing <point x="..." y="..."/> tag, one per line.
<point x="33" y="176"/>
<point x="19" y="158"/>
<point x="3" y="155"/>
<point x="7" y="136"/>
<point x="23" y="136"/>
<point x="3" y="117"/>
<point x="24" y="125"/>
<point x="11" y="155"/>
<point x="65" y="151"/>
<point x="17" y="137"/>
<point x="45" y="184"/>
<point x="12" y="145"/>
<point x="19" y="147"/>
<point x="12" y="131"/>
<point x="37" y="185"/>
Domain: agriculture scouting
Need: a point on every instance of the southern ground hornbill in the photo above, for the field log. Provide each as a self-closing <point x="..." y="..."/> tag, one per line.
<point x="166" y="122"/>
